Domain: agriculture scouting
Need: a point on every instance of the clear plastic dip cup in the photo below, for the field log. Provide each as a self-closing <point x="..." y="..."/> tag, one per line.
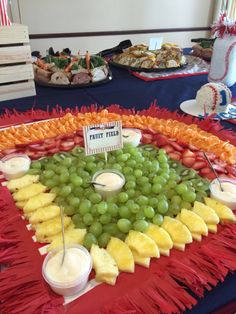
<point x="228" y="195"/>
<point x="14" y="165"/>
<point x="70" y="277"/>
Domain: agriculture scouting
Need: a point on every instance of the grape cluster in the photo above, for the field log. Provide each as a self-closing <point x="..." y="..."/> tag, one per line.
<point x="155" y="186"/>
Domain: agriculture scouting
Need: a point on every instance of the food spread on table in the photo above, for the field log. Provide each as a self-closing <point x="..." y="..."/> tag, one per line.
<point x="203" y="48"/>
<point x="63" y="68"/>
<point x="140" y="57"/>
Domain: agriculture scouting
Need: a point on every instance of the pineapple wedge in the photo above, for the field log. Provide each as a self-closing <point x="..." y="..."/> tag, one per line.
<point x="122" y="254"/>
<point x="193" y="221"/>
<point x="143" y="261"/>
<point x="72" y="236"/>
<point x="21" y="204"/>
<point x="104" y="265"/>
<point x="178" y="232"/>
<point x="17" y="184"/>
<point x="179" y="246"/>
<point x="45" y="213"/>
<point x="40" y="200"/>
<point x="207" y="213"/>
<point x="212" y="228"/>
<point x="197" y="236"/>
<point x="161" y="238"/>
<point x="223" y="211"/>
<point x="29" y="191"/>
<point x="142" y="244"/>
<point x="50" y="227"/>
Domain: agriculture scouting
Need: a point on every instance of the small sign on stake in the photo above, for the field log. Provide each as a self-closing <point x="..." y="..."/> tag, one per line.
<point x="102" y="137"/>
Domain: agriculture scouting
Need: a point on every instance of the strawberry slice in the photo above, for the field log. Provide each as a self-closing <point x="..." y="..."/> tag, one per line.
<point x="219" y="169"/>
<point x="67" y="145"/>
<point x="146" y="138"/>
<point x="68" y="136"/>
<point x="36" y="147"/>
<point x="8" y="151"/>
<point x="51" y="143"/>
<point x="199" y="165"/>
<point x="221" y="163"/>
<point x="182" y="144"/>
<point x="188" y="161"/>
<point x="37" y="155"/>
<point x="205" y="171"/>
<point x="160" y="140"/>
<point x="22" y="145"/>
<point x="193" y="148"/>
<point x="175" y="156"/>
<point x="187" y="153"/>
<point x="168" y="148"/>
<point x="231" y="170"/>
<point x="78" y="140"/>
<point x="176" y="146"/>
<point x="80" y="132"/>
<point x="53" y="150"/>
<point x="210" y="176"/>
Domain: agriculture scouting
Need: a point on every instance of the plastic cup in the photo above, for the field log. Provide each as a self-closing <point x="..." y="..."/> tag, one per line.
<point x="131" y="136"/>
<point x="71" y="287"/>
<point x="14" y="165"/>
<point x="226" y="198"/>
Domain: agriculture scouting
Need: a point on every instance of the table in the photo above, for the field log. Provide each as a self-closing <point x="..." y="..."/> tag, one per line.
<point x="128" y="91"/>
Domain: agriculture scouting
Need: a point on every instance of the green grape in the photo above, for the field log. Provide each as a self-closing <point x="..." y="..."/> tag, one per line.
<point x="35" y="171"/>
<point x="181" y="188"/>
<point x="157" y="219"/>
<point x="93" y="210"/>
<point x="111" y="228"/>
<point x="140" y="225"/>
<point x="121" y="236"/>
<point x="64" y="177"/>
<point x="156" y="188"/>
<point x="123" y="157"/>
<point x="76" y="180"/>
<point x="130" y="185"/>
<point x="189" y="196"/>
<point x="74" y="201"/>
<point x="80" y="225"/>
<point x="131" y="163"/>
<point x="142" y="180"/>
<point x="65" y="191"/>
<point x="174" y="208"/>
<point x="90" y="166"/>
<point x="170" y="193"/>
<point x="76" y="218"/>
<point x="117" y="167"/>
<point x="140" y="215"/>
<point x="124" y="225"/>
<point x="131" y="193"/>
<point x="165" y="175"/>
<point x="127" y="170"/>
<point x="103" y="239"/>
<point x="96" y="228"/>
<point x="162" y="158"/>
<point x="147" y="189"/>
<point x="78" y="191"/>
<point x="84" y="207"/>
<point x="90" y="158"/>
<point x="159" y="180"/>
<point x="36" y="165"/>
<point x="185" y="205"/>
<point x="111" y="199"/>
<point x="124" y="212"/>
<point x="138" y="173"/>
<point x="72" y="169"/>
<point x="162" y="206"/>
<point x="200" y="196"/>
<point x="130" y="177"/>
<point x="122" y="197"/>
<point x="88" y="219"/>
<point x="68" y="210"/>
<point x="153" y="201"/>
<point x="50" y="183"/>
<point x="113" y="209"/>
<point x="55" y="190"/>
<point x="105" y="218"/>
<point x="176" y="199"/>
<point x="102" y="207"/>
<point x="149" y="212"/>
<point x="67" y="162"/>
<point x="142" y="200"/>
<point x="89" y="239"/>
<point x="95" y="198"/>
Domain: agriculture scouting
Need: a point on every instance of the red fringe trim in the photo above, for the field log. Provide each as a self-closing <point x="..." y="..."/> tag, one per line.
<point x="14" y="117"/>
<point x="22" y="288"/>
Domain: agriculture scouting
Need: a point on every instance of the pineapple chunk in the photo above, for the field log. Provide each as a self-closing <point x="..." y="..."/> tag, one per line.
<point x="197" y="236"/>
<point x="207" y="213"/>
<point x="179" y="246"/>
<point x="140" y="260"/>
<point x="45" y="213"/>
<point x="29" y="191"/>
<point x="178" y="232"/>
<point x="194" y="222"/>
<point x="21" y="204"/>
<point x="50" y="227"/>
<point x="72" y="236"/>
<point x="142" y="244"/>
<point x="161" y="238"/>
<point x="104" y="265"/>
<point x="223" y="211"/>
<point x="212" y="228"/>
<point x="16" y="184"/>
<point x="40" y="200"/>
<point x="122" y="254"/>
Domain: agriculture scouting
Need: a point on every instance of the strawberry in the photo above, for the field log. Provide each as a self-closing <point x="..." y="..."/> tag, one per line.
<point x="36" y="147"/>
<point x="175" y="156"/>
<point x="211" y="156"/>
<point x="53" y="150"/>
<point x="210" y="176"/>
<point x="176" y="146"/>
<point x="220" y="163"/>
<point x="231" y="170"/>
<point x="67" y="145"/>
<point x="80" y="132"/>
<point x="160" y="139"/>
<point x="68" y="136"/>
<point x="184" y="145"/>
<point x="199" y="165"/>
<point x="146" y="138"/>
<point x="22" y="145"/>
<point x="37" y="155"/>
<point x="188" y="154"/>
<point x="8" y="151"/>
<point x="193" y="148"/>
<point x="51" y="143"/>
<point x="205" y="171"/>
<point x="78" y="140"/>
<point x="168" y="148"/>
<point x="219" y="169"/>
<point x="188" y="161"/>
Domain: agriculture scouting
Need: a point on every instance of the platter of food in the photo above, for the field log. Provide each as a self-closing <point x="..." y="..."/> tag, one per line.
<point x="64" y="70"/>
<point x="139" y="58"/>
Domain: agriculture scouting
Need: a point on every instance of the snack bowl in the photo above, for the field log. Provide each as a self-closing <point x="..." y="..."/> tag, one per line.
<point x="70" y="277"/>
<point x="112" y="179"/>
<point x="14" y="165"/>
<point x="131" y="136"/>
<point x="228" y="195"/>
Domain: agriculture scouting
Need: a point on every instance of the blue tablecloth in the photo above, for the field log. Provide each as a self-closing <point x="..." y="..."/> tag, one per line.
<point x="129" y="91"/>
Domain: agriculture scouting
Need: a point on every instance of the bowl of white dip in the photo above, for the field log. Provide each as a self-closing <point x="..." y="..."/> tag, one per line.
<point x="14" y="165"/>
<point x="228" y="195"/>
<point x="70" y="277"/>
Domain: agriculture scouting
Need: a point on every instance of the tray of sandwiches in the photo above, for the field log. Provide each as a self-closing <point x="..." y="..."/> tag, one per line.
<point x="64" y="70"/>
<point x="140" y="58"/>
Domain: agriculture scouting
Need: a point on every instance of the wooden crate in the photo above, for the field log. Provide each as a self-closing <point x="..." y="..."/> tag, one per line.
<point x="16" y="70"/>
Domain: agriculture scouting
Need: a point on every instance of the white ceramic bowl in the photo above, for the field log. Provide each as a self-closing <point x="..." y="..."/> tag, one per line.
<point x="226" y="198"/>
<point x="131" y="136"/>
<point x="14" y="165"/>
<point x="71" y="287"/>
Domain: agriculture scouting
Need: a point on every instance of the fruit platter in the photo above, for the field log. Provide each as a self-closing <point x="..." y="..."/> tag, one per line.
<point x="140" y="58"/>
<point x="165" y="205"/>
<point x="62" y="69"/>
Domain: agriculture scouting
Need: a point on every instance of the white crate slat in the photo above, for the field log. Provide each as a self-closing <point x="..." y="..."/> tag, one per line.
<point x="16" y="73"/>
<point x="18" y="90"/>
<point x="14" y="34"/>
<point x="15" y="54"/>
